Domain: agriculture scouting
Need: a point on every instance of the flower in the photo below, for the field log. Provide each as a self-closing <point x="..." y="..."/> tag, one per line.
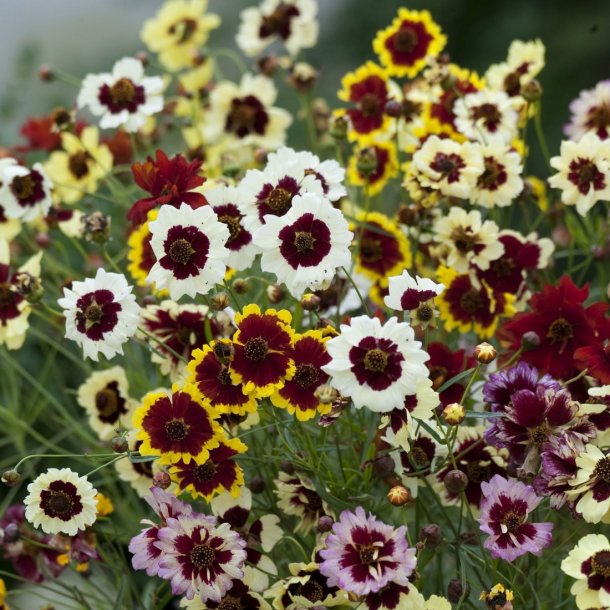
<point x="504" y="510"/>
<point x="262" y="360"/>
<point x="589" y="563"/>
<point x="293" y="22"/>
<point x="445" y="364"/>
<point x="363" y="554"/>
<point x="101" y="314"/>
<point x="239" y="595"/>
<point x="385" y="162"/>
<point x="590" y="113"/>
<point x="189" y="247"/>
<point x="140" y="255"/>
<point x="404" y="46"/>
<point x="139" y="475"/>
<point x="178" y="31"/>
<point x="498" y="597"/>
<point x="105" y="398"/>
<point x="377" y="366"/>
<point x="24" y="193"/>
<point x="592" y="484"/>
<point x="413" y="296"/>
<point x="583" y="170"/>
<point x="169" y="181"/>
<point x="124" y="98"/>
<point x="60" y="501"/>
<point x="177" y="426"/>
<point x="40" y="133"/>
<point x="305" y="247"/>
<point x="200" y="558"/>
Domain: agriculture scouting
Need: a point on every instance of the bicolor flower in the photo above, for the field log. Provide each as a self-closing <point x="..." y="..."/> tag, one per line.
<point x="24" y="193"/>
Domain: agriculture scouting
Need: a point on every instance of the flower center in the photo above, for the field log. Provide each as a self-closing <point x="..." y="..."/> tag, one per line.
<point x="369" y="105"/>
<point x="425" y="312"/>
<point x="368" y="554"/>
<point x="23" y="186"/>
<point x="230" y="603"/>
<point x="183" y="334"/>
<point x="370" y="250"/>
<point x="59" y="503"/>
<point x="464" y="240"/>
<point x="7" y="296"/>
<point x="123" y="91"/>
<point x="242" y="116"/>
<point x="205" y="472"/>
<point x="233" y="225"/>
<point x="185" y="28"/>
<point x="107" y="402"/>
<point x="181" y="251"/>
<point x="448" y="166"/>
<point x="438" y="374"/>
<point x="493" y="176"/>
<point x="93" y="314"/>
<point x="471" y="301"/>
<point x="375" y="360"/>
<point x="503" y="267"/>
<point x="279" y="200"/>
<point x="478" y="471"/>
<point x="304" y="241"/>
<point x="313" y="591"/>
<point x="278" y="22"/>
<point x="512" y="522"/>
<point x="539" y="434"/>
<point x="224" y="376"/>
<point x="176" y="429"/>
<point x="314" y="502"/>
<point x="600" y="563"/>
<point x="585" y="175"/>
<point x="599" y="117"/>
<point x="489" y="113"/>
<point x="406" y="40"/>
<point x="305" y="375"/>
<point x="419" y="457"/>
<point x="78" y="164"/>
<point x="602" y="470"/>
<point x="560" y="331"/>
<point x="256" y="349"/>
<point x="202" y="556"/>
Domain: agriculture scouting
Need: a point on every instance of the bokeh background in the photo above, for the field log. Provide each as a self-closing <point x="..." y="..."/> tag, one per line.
<point x="81" y="36"/>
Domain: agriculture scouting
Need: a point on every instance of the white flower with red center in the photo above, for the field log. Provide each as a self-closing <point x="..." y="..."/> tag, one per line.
<point x="200" y="558"/>
<point x="305" y="247"/>
<point x="377" y="366"/>
<point x="590" y="113"/>
<point x="408" y="294"/>
<point x="24" y="193"/>
<point x="293" y="22"/>
<point x="189" y="246"/>
<point x="124" y="98"/>
<point x="592" y="484"/>
<point x="243" y="115"/>
<point x="59" y="501"/>
<point x="228" y="202"/>
<point x="448" y="166"/>
<point x="487" y="116"/>
<point x="583" y="172"/>
<point x="101" y="314"/>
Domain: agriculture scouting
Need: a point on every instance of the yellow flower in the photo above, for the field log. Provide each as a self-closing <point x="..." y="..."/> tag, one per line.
<point x="386" y="167"/>
<point x="193" y="84"/>
<point x="77" y="169"/>
<point x="539" y="193"/>
<point x="105" y="506"/>
<point x="178" y="31"/>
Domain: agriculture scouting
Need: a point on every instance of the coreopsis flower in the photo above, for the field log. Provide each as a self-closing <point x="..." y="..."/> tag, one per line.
<point x="178" y="31"/>
<point x="591" y="485"/>
<point x="305" y="247"/>
<point x="504" y="510"/>
<point x="243" y="115"/>
<point x="105" y="398"/>
<point x="169" y="181"/>
<point x="394" y="596"/>
<point x="363" y="554"/>
<point x="385" y="161"/>
<point x="262" y="350"/>
<point x="177" y="425"/>
<point x="298" y="395"/>
<point x="469" y="239"/>
<point x="562" y="324"/>
<point x="260" y="534"/>
<point x="238" y="596"/>
<point x="101" y="314"/>
<point x="583" y="172"/>
<point x="60" y="501"/>
<point x="404" y="47"/>
<point x="293" y="22"/>
<point x="369" y="90"/>
<point x="24" y="193"/>
<point x="375" y="365"/>
<point x="189" y="245"/>
<point x="589" y="563"/>
<point x="590" y="113"/>
<point x="382" y="249"/>
<point x="77" y="169"/>
<point x="596" y="359"/>
<point x="200" y="558"/>
<point x="40" y="133"/>
<point x="124" y="98"/>
<point x="467" y="305"/>
<point x="498" y="597"/>
<point x="444" y="364"/>
<point x="215" y="475"/>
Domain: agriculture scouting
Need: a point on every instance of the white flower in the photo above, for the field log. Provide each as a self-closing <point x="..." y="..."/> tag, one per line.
<point x="583" y="172"/>
<point x="293" y="22"/>
<point x="305" y="246"/>
<point x="406" y="293"/>
<point x="590" y="112"/>
<point x="525" y="61"/>
<point x="189" y="246"/>
<point x="61" y="502"/>
<point x="101" y="314"/>
<point x="377" y="366"/>
<point x="124" y="98"/>
<point x="591" y="484"/>
<point x="24" y="193"/>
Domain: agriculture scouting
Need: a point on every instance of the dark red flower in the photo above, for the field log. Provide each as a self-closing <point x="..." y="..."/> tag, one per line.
<point x="305" y="242"/>
<point x="444" y="365"/>
<point x="370" y="96"/>
<point x="40" y="135"/>
<point x="596" y="359"/>
<point x="169" y="181"/>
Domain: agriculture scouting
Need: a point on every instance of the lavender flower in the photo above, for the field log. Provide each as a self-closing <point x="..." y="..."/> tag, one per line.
<point x="504" y="511"/>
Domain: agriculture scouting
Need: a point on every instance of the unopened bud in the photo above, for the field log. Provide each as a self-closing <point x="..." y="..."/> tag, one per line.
<point x="454" y="414"/>
<point x="325" y="523"/>
<point x="530" y="340"/>
<point x="241" y="286"/>
<point x="11" y="533"/>
<point x="161" y="480"/>
<point x="310" y="302"/>
<point x="531" y="91"/>
<point x="275" y="293"/>
<point x="287" y="467"/>
<point x="303" y="77"/>
<point x="455" y="481"/>
<point x="338" y="128"/>
<point x="42" y="239"/>
<point x="449" y="81"/>
<point x="431" y="535"/>
<point x="257" y="485"/>
<point x="260" y="156"/>
<point x="561" y="236"/>
<point x="398" y="495"/>
<point x="484" y="353"/>
<point x="409" y="214"/>
<point x="143" y="58"/>
<point x="119" y="444"/>
<point x="383" y="466"/>
<point x="393" y="108"/>
<point x="268" y="65"/>
<point x="325" y="393"/>
<point x="367" y="161"/>
<point x="219" y="301"/>
<point x="457" y="590"/>
<point x="97" y="227"/>
<point x="11" y="477"/>
<point x="45" y="74"/>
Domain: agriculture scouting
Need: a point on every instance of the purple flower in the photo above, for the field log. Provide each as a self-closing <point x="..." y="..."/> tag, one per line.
<point x="364" y="554"/>
<point x="504" y="511"/>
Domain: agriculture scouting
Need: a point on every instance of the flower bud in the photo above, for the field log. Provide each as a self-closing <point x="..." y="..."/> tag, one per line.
<point x="310" y="302"/>
<point x="431" y="535"/>
<point x="303" y="77"/>
<point x="399" y="495"/>
<point x="268" y="65"/>
<point x="161" y="480"/>
<point x="530" y="340"/>
<point x="11" y="533"/>
<point x="367" y="161"/>
<point x="383" y="466"/>
<point x="46" y="74"/>
<point x="257" y="485"/>
<point x="561" y="236"/>
<point x="393" y="108"/>
<point x="455" y="481"/>
<point x="219" y="301"/>
<point x="325" y="523"/>
<point x="454" y="414"/>
<point x="42" y="239"/>
<point x="97" y="227"/>
<point x="287" y="467"/>
<point x="531" y="91"/>
<point x="11" y="477"/>
<point x="409" y="214"/>
<point x="325" y="393"/>
<point x="457" y="590"/>
<point x="241" y="286"/>
<point x="338" y="128"/>
<point x="119" y="444"/>
<point x="484" y="353"/>
<point x="275" y="293"/>
<point x="142" y="57"/>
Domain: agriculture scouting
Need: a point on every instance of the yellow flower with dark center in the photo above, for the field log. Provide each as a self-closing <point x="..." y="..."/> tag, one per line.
<point x="374" y="176"/>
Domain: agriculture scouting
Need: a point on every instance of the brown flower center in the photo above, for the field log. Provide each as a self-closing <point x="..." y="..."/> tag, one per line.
<point x="425" y="312"/>
<point x="599" y="117"/>
<point x="600" y="563"/>
<point x="256" y="349"/>
<point x="370" y="250"/>
<point x="406" y="40"/>
<point x="313" y="500"/>
<point x="560" y="331"/>
<point x="123" y="91"/>
<point x="369" y="105"/>
<point x="493" y="176"/>
<point x="93" y="315"/>
<point x="279" y="200"/>
<point x="176" y="429"/>
<point x="489" y="113"/>
<point x="419" y="457"/>
<point x="224" y="376"/>
<point x="78" y="164"/>
<point x="602" y="470"/>
<point x="512" y="522"/>
<point x="471" y="301"/>
<point x="464" y="240"/>
<point x="242" y="115"/>
<point x="205" y="472"/>
<point x="59" y="503"/>
<point x="368" y="554"/>
<point x="375" y="360"/>
<point x="305" y="375"/>
<point x="539" y="434"/>
<point x="23" y="186"/>
<point x="304" y="241"/>
<point x="478" y="471"/>
<point x="107" y="402"/>
<point x="313" y="591"/>
<point x="181" y="251"/>
<point x="230" y="603"/>
<point x="233" y="225"/>
<point x="202" y="556"/>
<point x="185" y="28"/>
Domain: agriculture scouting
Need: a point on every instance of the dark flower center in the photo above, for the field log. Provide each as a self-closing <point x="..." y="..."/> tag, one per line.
<point x="205" y="472"/>
<point x="183" y="334"/>
<point x="107" y="402"/>
<point x="493" y="176"/>
<point x="419" y="457"/>
<point x="599" y="117"/>
<point x="23" y="186"/>
<point x="585" y="175"/>
<point x="425" y="312"/>
<point x="560" y="331"/>
<point x="368" y="554"/>
<point x="123" y="91"/>
<point x="279" y="200"/>
<point x="202" y="556"/>
<point x="224" y="376"/>
<point x="539" y="434"/>
<point x="438" y="374"/>
<point x="243" y="115"/>
<point x="304" y="241"/>
<point x="230" y="603"/>
<point x="600" y="563"/>
<point x="78" y="164"/>
<point x="602" y="470"/>
<point x="313" y="591"/>
<point x="369" y="105"/>
<point x="256" y="349"/>
<point x="478" y="471"/>
<point x="93" y="314"/>
<point x="278" y="22"/>
<point x="471" y="301"/>
<point x="370" y="250"/>
<point x="233" y="225"/>
<point x="59" y="503"/>
<point x="464" y="240"/>
<point x="305" y="375"/>
<point x="448" y="166"/>
<point x="186" y="27"/>
<point x="512" y="83"/>
<point x="512" y="522"/>
<point x="406" y="40"/>
<point x="503" y="267"/>
<point x="375" y="360"/>
<point x="489" y="113"/>
<point x="176" y="429"/>
<point x="314" y="502"/>
<point x="181" y="251"/>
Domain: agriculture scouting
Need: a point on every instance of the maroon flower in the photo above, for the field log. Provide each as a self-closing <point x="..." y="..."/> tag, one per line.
<point x="277" y="198"/>
<point x="40" y="134"/>
<point x="444" y="365"/>
<point x="596" y="359"/>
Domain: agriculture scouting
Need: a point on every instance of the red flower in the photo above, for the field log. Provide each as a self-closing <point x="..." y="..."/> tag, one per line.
<point x="595" y="358"/>
<point x="169" y="181"/>
<point x="444" y="365"/>
<point x="39" y="133"/>
<point x="562" y="325"/>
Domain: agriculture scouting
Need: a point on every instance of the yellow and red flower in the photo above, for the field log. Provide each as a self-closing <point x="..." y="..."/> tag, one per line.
<point x="386" y="167"/>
